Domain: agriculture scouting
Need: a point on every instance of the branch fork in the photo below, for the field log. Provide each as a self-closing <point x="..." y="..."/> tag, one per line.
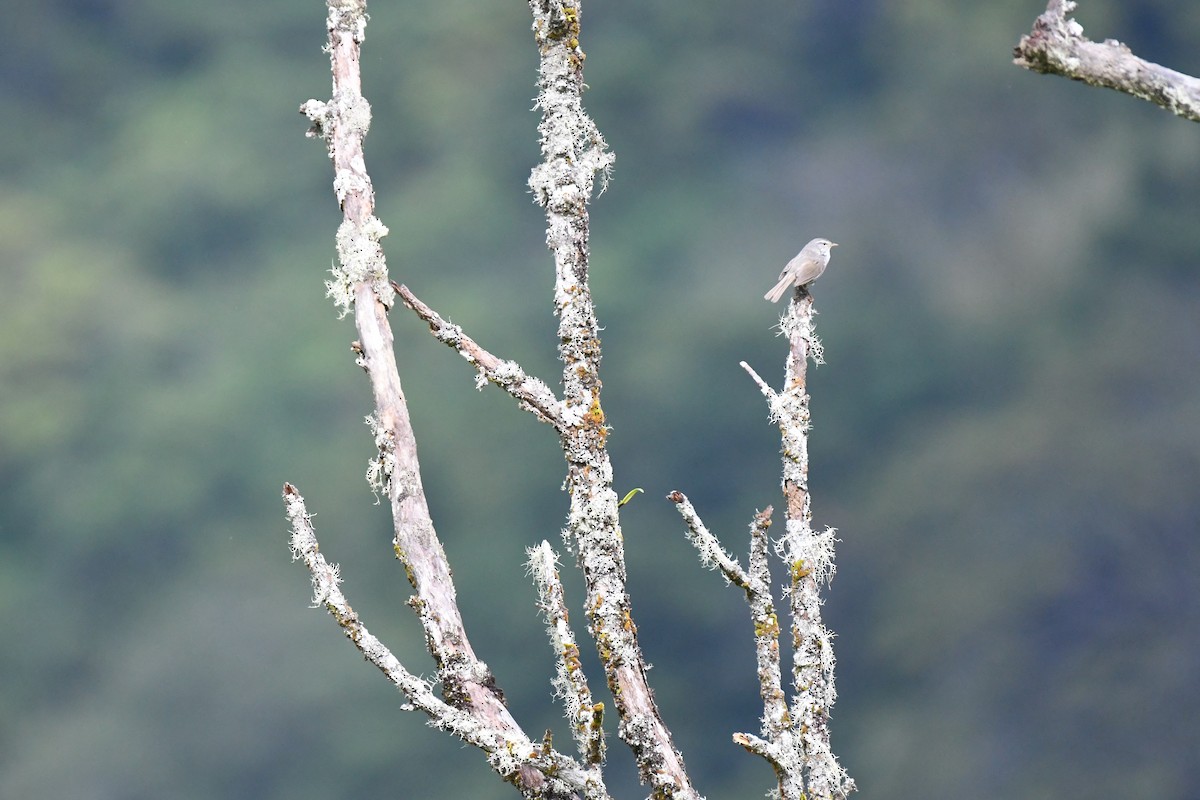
<point x="795" y="733"/>
<point x="472" y="705"/>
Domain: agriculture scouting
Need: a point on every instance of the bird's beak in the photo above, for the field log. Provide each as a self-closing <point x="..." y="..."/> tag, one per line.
<point x="833" y="244"/>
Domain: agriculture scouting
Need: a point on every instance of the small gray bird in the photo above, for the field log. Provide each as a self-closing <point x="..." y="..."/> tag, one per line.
<point x="805" y="268"/>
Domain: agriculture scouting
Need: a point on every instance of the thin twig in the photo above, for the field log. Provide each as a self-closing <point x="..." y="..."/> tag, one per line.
<point x="712" y="554"/>
<point x="756" y="583"/>
<point x="585" y="716"/>
<point x="763" y="386"/>
<point x="532" y="394"/>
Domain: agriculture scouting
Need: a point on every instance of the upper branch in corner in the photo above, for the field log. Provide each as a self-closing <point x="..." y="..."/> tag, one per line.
<point x="1057" y="46"/>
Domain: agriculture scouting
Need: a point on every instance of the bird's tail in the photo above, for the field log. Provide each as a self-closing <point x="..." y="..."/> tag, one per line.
<point x="779" y="290"/>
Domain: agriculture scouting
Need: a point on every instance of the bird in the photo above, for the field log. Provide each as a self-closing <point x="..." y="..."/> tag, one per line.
<point x="802" y="270"/>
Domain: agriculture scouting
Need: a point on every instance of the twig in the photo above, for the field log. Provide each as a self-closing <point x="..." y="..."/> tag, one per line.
<point x="712" y="554"/>
<point x="763" y="386"/>
<point x="585" y="716"/>
<point x="1057" y="46"/>
<point x="756" y="583"/>
<point x="531" y="393"/>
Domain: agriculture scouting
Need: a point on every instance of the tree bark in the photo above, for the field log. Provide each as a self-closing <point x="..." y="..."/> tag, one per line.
<point x="1057" y="46"/>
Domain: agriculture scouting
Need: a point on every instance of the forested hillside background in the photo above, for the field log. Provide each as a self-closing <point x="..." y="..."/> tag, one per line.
<point x="1007" y="431"/>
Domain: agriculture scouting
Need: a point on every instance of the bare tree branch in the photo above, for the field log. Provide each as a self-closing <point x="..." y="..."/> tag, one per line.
<point x="795" y="737"/>
<point x="531" y="393"/>
<point x="573" y="151"/>
<point x="810" y="558"/>
<point x="756" y="583"/>
<point x="586" y="717"/>
<point x="763" y="386"/>
<point x="472" y="707"/>
<point x="712" y="554"/>
<point x="360" y="284"/>
<point x="510" y="753"/>
<point x="1056" y="45"/>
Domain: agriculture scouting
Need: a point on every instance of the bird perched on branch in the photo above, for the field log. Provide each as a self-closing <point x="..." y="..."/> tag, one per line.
<point x="805" y="268"/>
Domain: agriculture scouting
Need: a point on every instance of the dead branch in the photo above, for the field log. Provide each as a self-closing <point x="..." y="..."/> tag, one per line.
<point x="531" y="394"/>
<point x="360" y="284"/>
<point x="573" y="152"/>
<point x="1057" y="46"/>
<point x="795" y="735"/>
<point x="510" y="753"/>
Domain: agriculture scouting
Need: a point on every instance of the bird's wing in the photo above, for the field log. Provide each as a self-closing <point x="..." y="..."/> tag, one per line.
<point x="788" y="267"/>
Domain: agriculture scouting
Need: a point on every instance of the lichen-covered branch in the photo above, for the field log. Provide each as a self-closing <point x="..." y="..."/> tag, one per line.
<point x="1057" y="46"/>
<point x="570" y="683"/>
<point x="360" y="284"/>
<point x="756" y="583"/>
<point x="795" y="735"/>
<point x="573" y="152"/>
<point x="712" y="554"/>
<point x="532" y="394"/>
<point x="804" y="746"/>
<point x="510" y="753"/>
<point x="776" y="718"/>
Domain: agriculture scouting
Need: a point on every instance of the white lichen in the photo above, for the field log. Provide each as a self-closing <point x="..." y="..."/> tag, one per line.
<point x="361" y="261"/>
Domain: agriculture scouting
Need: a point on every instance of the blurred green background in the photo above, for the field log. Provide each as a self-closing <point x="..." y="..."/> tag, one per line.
<point x="1007" y="432"/>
